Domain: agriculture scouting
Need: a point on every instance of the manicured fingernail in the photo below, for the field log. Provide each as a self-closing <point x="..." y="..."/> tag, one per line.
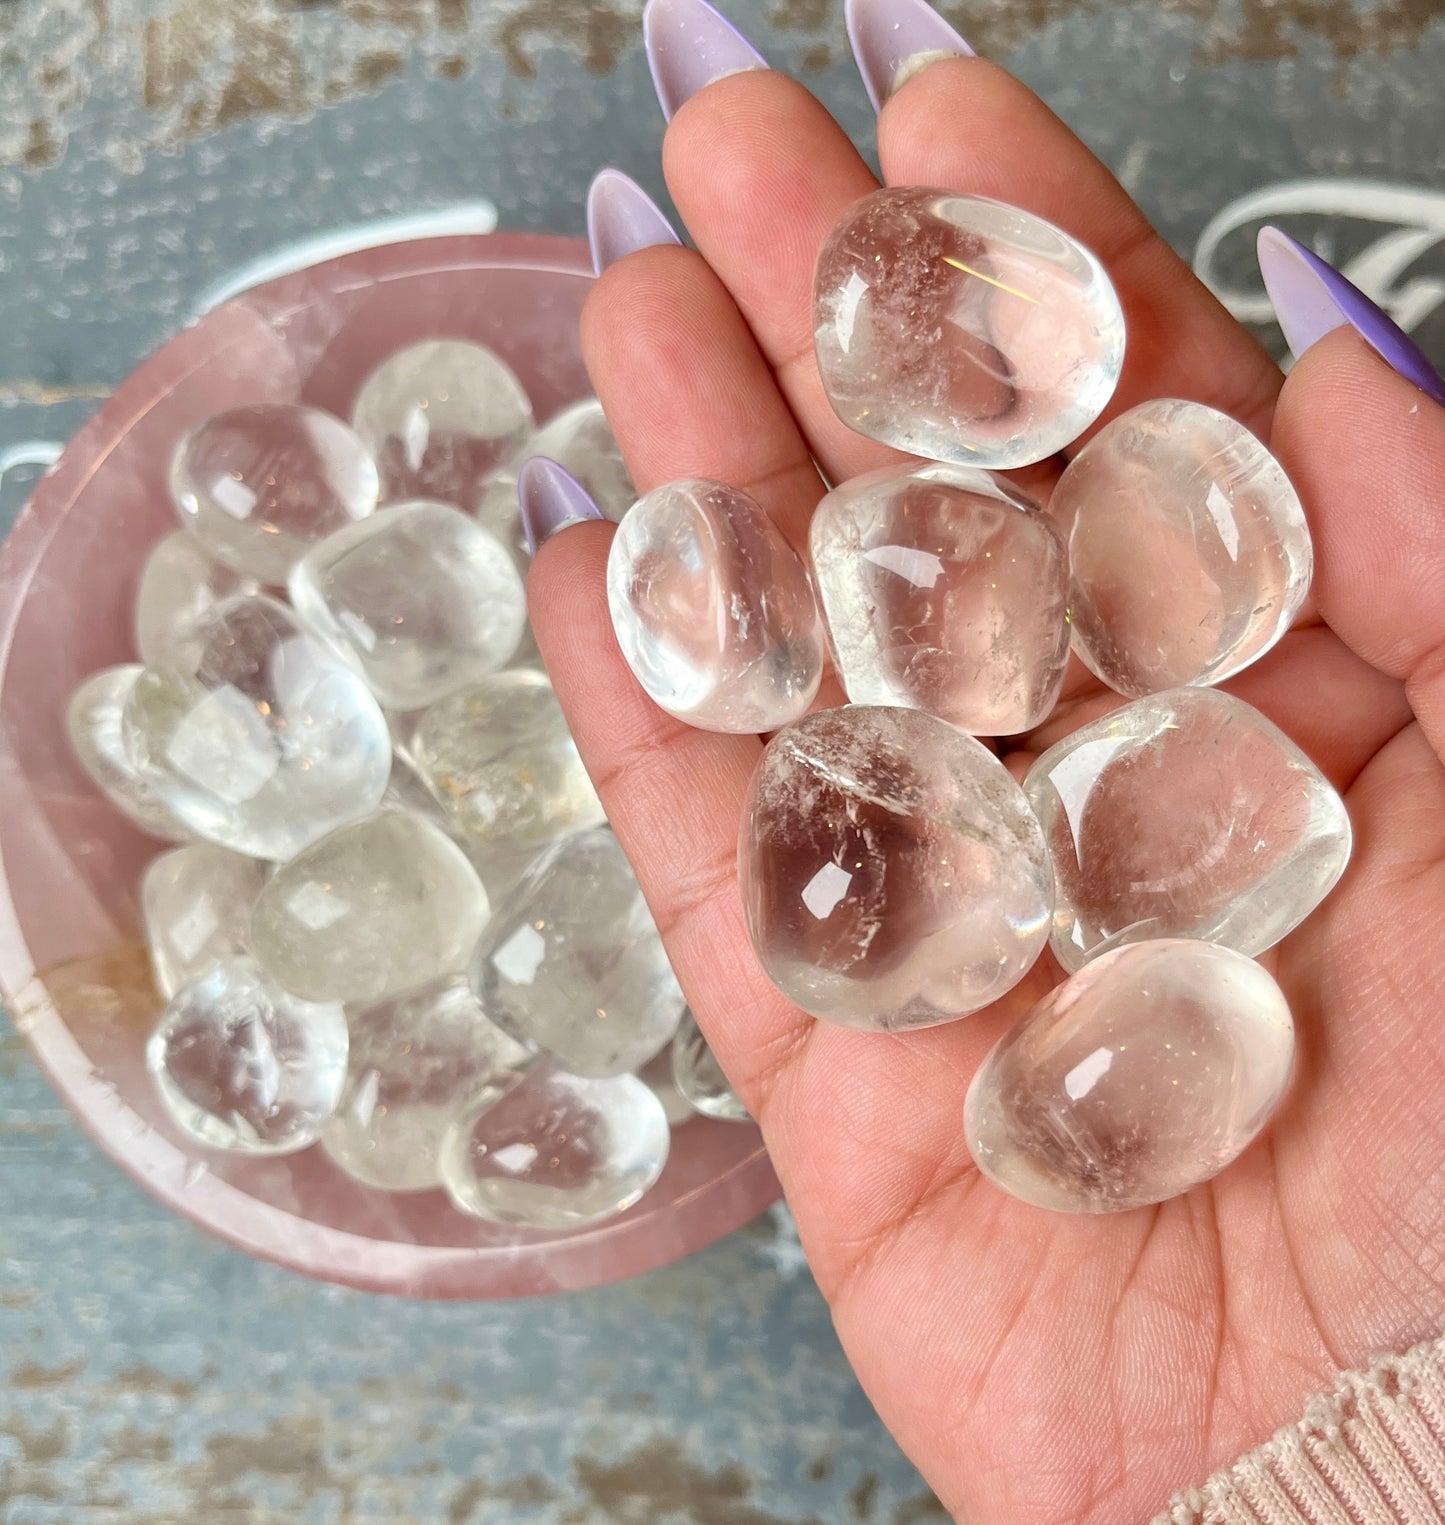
<point x="552" y="499"/>
<point x="1312" y="299"/>
<point x="895" y="39"/>
<point x="622" y="217"/>
<point x="689" y="45"/>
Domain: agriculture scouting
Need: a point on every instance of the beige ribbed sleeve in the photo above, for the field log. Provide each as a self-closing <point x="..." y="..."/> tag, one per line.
<point x="1370" y="1453"/>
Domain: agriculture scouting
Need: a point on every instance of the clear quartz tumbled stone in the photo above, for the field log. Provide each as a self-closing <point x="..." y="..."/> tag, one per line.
<point x="892" y="873"/>
<point x="242" y="1065"/>
<point x="258" y="485"/>
<point x="961" y="329"/>
<point x="574" y="965"/>
<point x="499" y="758"/>
<point x="1139" y="1077"/>
<point x="699" y="1077"/>
<point x="944" y="589"/>
<point x="580" y="439"/>
<point x="414" y="1062"/>
<point x="555" y="1151"/>
<point x="420" y="598"/>
<point x="440" y="418"/>
<point x="94" y="721"/>
<point x="1186" y="814"/>
<point x="197" y="902"/>
<point x="713" y="609"/>
<point x="255" y="735"/>
<point x="374" y="909"/>
<point x="180" y="584"/>
<point x="1188" y="545"/>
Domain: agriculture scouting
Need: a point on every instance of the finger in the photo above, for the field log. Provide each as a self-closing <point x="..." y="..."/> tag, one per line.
<point x="1366" y="449"/>
<point x="1002" y="141"/>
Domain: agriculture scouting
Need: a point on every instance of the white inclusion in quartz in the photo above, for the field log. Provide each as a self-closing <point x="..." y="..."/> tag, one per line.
<point x="713" y="609"/>
<point x="94" y="721"/>
<point x="243" y="1065"/>
<point x="964" y="330"/>
<point x="1185" y="814"/>
<point x="1141" y="1076"/>
<point x="419" y="598"/>
<point x="1189" y="549"/>
<point x="255" y="735"/>
<point x="825" y="889"/>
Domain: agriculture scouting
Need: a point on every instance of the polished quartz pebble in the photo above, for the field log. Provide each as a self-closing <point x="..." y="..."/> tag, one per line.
<point x="259" y="485"/>
<point x="580" y="439"/>
<point x="94" y="721"/>
<point x="1189" y="548"/>
<point x="555" y="1151"/>
<point x="699" y="1077"/>
<point x="574" y="964"/>
<point x="892" y="873"/>
<point x="419" y="597"/>
<point x="180" y="583"/>
<point x="1186" y="814"/>
<point x="414" y="1062"/>
<point x="197" y="902"/>
<point x="440" y="418"/>
<point x="945" y="589"/>
<point x="1136" y="1079"/>
<point x="255" y="735"/>
<point x="657" y="1075"/>
<point x="713" y="609"/>
<point x="500" y="759"/>
<point x="376" y="908"/>
<point x="961" y="329"/>
<point x="242" y="1065"/>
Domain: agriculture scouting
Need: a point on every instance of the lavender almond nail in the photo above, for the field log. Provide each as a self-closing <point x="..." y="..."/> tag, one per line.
<point x="552" y="500"/>
<point x="622" y="218"/>
<point x="895" y="39"/>
<point x="1311" y="299"/>
<point x="690" y="44"/>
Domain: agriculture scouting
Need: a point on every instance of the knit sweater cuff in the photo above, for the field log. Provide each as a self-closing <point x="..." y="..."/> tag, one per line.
<point x="1370" y="1453"/>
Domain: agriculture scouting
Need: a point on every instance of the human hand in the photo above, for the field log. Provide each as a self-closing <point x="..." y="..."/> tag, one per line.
<point x="1036" y="1367"/>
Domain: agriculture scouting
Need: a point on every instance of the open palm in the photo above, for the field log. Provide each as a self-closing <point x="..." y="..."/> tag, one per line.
<point x="1042" y="1368"/>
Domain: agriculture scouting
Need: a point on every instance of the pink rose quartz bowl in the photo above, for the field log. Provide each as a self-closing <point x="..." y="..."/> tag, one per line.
<point x="73" y="971"/>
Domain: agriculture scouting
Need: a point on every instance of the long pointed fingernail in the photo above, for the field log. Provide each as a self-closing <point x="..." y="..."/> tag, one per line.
<point x="1311" y="299"/>
<point x="895" y="39"/>
<point x="622" y="217"/>
<point x="689" y="45"/>
<point x="552" y="499"/>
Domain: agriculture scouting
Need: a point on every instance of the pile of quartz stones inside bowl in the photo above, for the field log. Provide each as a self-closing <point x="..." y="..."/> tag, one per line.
<point x="396" y="926"/>
<point x="893" y="873"/>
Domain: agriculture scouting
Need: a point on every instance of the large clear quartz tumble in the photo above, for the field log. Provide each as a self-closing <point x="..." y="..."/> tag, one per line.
<point x="944" y="589"/>
<point x="415" y="1061"/>
<point x="713" y="609"/>
<point x="574" y="964"/>
<point x="892" y="873"/>
<point x="197" y="905"/>
<point x="181" y="583"/>
<point x="1186" y="814"/>
<point x="580" y="439"/>
<point x="258" y="485"/>
<point x="255" y="735"/>
<point x="440" y="418"/>
<point x="376" y="908"/>
<point x="242" y="1065"/>
<point x="699" y="1077"/>
<point x="94" y="720"/>
<point x="1136" y="1079"/>
<point x="1189" y="548"/>
<point x="420" y="598"/>
<point x="961" y="329"/>
<point x="501" y="761"/>
<point x="556" y="1151"/>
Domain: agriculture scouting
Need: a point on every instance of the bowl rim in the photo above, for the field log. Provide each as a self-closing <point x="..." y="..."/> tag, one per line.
<point x="623" y="1247"/>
